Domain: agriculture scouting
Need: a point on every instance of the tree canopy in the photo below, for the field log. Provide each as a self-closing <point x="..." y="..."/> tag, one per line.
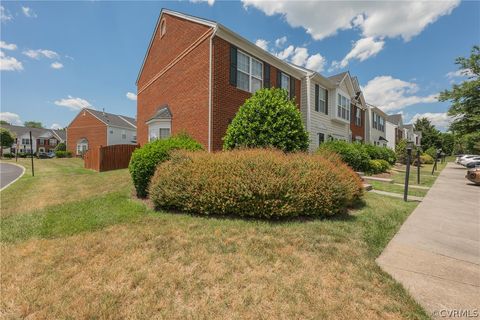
<point x="465" y="97"/>
<point x="33" y="124"/>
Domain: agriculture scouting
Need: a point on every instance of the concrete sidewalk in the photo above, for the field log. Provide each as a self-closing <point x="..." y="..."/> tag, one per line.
<point x="436" y="253"/>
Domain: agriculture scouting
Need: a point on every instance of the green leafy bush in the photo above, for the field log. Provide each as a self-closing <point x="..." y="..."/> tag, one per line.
<point x="375" y="166"/>
<point x="267" y="119"/>
<point x="352" y="154"/>
<point x="63" y="154"/>
<point x="144" y="160"/>
<point x="22" y="155"/>
<point x="426" y="159"/>
<point x="377" y="152"/>
<point x="61" y="147"/>
<point x="9" y="155"/>
<point x="260" y="183"/>
<point x="432" y="152"/>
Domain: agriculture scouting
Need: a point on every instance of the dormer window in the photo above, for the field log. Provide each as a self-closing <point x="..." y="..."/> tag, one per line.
<point x="163" y="28"/>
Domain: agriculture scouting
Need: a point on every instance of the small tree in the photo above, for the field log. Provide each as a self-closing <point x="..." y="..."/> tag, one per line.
<point x="267" y="119"/>
<point x="6" y="139"/>
<point x="61" y="147"/>
<point x="33" y="124"/>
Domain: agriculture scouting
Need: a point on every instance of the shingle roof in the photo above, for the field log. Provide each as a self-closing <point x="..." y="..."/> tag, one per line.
<point x="36" y="132"/>
<point x="395" y="118"/>
<point x="114" y="119"/>
<point x="62" y="134"/>
<point x="338" y="77"/>
<point x="162" y="112"/>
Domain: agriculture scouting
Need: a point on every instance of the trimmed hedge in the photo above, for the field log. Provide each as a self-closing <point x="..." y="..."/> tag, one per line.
<point x="426" y="159"/>
<point x="378" y="166"/>
<point x="63" y="154"/>
<point x="380" y="153"/>
<point x="352" y="154"/>
<point x="269" y="118"/>
<point x="144" y="160"/>
<point x="259" y="183"/>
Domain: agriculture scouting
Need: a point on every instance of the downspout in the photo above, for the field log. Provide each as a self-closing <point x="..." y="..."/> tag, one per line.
<point x="308" y="124"/>
<point x="210" y="96"/>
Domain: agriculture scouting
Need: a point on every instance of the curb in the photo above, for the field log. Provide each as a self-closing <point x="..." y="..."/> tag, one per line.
<point x="21" y="175"/>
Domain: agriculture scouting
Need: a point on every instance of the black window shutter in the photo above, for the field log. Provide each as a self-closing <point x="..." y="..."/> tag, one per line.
<point x="326" y="101"/>
<point x="233" y="66"/>
<point x="292" y="87"/>
<point x="279" y="78"/>
<point x="317" y="94"/>
<point x="266" y="75"/>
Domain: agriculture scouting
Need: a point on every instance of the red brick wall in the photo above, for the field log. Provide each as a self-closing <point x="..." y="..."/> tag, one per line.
<point x="227" y="99"/>
<point x="357" y="130"/>
<point x="184" y="87"/>
<point x="85" y="125"/>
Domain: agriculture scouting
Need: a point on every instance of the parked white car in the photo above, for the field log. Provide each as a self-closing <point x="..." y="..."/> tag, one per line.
<point x="466" y="161"/>
<point x="463" y="157"/>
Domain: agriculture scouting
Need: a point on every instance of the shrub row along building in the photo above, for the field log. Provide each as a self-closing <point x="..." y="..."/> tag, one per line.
<point x="197" y="73"/>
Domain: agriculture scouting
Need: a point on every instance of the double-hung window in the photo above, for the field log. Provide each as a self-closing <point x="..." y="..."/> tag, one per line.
<point x="124" y="135"/>
<point x="285" y="82"/>
<point x="343" y="107"/>
<point x="25" y="141"/>
<point x="381" y="124"/>
<point x="358" y="117"/>
<point x="321" y="138"/>
<point x="322" y="100"/>
<point x="374" y="120"/>
<point x="163" y="133"/>
<point x="52" y="142"/>
<point x="249" y="73"/>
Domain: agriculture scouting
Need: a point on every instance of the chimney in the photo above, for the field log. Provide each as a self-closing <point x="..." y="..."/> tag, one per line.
<point x="103" y="110"/>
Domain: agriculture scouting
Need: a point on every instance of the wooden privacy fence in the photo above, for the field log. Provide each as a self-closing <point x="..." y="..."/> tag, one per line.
<point x="109" y="158"/>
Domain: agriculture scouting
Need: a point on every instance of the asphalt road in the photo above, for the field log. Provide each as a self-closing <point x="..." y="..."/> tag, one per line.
<point x="8" y="173"/>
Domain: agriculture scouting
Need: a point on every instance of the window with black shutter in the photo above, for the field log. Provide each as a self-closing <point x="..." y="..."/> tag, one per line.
<point x="317" y="95"/>
<point x="266" y="75"/>
<point x="292" y="87"/>
<point x="321" y="138"/>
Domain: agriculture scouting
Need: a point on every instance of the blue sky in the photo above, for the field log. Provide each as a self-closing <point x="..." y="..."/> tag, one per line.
<point x="59" y="56"/>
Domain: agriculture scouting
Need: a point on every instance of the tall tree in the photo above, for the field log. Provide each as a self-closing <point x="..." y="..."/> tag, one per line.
<point x="465" y="97"/>
<point x="4" y="122"/>
<point x="6" y="139"/>
<point x="430" y="134"/>
<point x="33" y="124"/>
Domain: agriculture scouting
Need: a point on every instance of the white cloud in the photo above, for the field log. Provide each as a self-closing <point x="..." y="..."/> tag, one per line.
<point x="40" y="53"/>
<point x="9" y="63"/>
<point x="74" y="104"/>
<point x="322" y="19"/>
<point x="287" y="52"/>
<point x="300" y="56"/>
<point x="56" y="126"/>
<point x="210" y="2"/>
<point x="441" y="119"/>
<point x="7" y="46"/>
<point x="462" y="73"/>
<point x="131" y="96"/>
<point x="262" y="44"/>
<point x="5" y="15"/>
<point x="391" y="94"/>
<point x="11" y="118"/>
<point x="315" y="62"/>
<point x="281" y="41"/>
<point x="56" y="65"/>
<point x="28" y="12"/>
<point x="361" y="50"/>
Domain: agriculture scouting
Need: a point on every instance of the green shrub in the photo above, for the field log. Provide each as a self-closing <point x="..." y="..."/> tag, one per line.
<point x="61" y="147"/>
<point x="22" y="155"/>
<point x="377" y="152"/>
<point x="260" y="183"/>
<point x="426" y="159"/>
<point x="352" y="154"/>
<point x="144" y="160"/>
<point x="385" y="165"/>
<point x="432" y="152"/>
<point x="9" y="155"/>
<point x="374" y="166"/>
<point x="63" y="154"/>
<point x="267" y="119"/>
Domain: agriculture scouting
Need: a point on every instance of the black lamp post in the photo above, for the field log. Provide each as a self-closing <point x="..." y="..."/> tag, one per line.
<point x="407" y="173"/>
<point x="418" y="164"/>
<point x="437" y="155"/>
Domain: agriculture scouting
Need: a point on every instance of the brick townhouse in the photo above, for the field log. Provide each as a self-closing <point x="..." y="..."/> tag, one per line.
<point x="195" y="76"/>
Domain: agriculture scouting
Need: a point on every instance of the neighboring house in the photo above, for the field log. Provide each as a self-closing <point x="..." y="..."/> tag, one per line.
<point x="43" y="140"/>
<point x="397" y="121"/>
<point x="377" y="126"/>
<point x="93" y="128"/>
<point x="195" y="76"/>
<point x="412" y="135"/>
<point x="390" y="132"/>
<point x="359" y="107"/>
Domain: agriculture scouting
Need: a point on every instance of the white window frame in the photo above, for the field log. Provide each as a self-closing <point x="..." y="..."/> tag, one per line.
<point x="287" y="78"/>
<point x="124" y="135"/>
<point x="52" y="142"/>
<point x="343" y="108"/>
<point x="154" y="127"/>
<point x="250" y="73"/>
<point x="358" y="117"/>
<point x="324" y="100"/>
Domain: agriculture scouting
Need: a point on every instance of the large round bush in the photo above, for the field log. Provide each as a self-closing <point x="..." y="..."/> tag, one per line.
<point x="377" y="152"/>
<point x="260" y="183"/>
<point x="267" y="119"/>
<point x="144" y="160"/>
<point x="352" y="154"/>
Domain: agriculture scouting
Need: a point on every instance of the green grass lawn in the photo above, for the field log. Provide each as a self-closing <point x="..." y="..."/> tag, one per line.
<point x="389" y="187"/>
<point x="105" y="255"/>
